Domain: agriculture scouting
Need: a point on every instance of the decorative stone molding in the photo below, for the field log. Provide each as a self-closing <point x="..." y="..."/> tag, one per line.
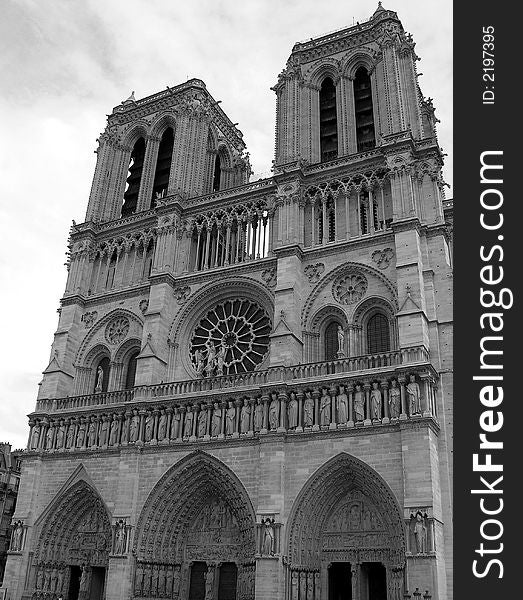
<point x="116" y="330"/>
<point x="350" y="288"/>
<point x="383" y="257"/>
<point x="89" y="318"/>
<point x="314" y="272"/>
<point x="270" y="277"/>
<point x="182" y="294"/>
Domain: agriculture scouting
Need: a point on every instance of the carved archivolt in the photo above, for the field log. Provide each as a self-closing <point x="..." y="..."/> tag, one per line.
<point x="199" y="510"/>
<point x="345" y="506"/>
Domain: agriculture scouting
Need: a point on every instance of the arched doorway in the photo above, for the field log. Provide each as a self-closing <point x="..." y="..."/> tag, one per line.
<point x="345" y="538"/>
<point x="196" y="535"/>
<point x="73" y="547"/>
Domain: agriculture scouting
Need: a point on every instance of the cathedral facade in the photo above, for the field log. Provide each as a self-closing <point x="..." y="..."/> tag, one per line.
<point x="249" y="394"/>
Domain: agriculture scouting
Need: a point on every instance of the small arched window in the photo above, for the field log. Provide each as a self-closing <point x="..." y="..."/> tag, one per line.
<point x="134" y="178"/>
<point x="328" y="121"/>
<point x="217" y="173"/>
<point x="363" y="108"/>
<point x="101" y="375"/>
<point x="331" y="341"/>
<point x="131" y="370"/>
<point x="163" y="166"/>
<point x="378" y="334"/>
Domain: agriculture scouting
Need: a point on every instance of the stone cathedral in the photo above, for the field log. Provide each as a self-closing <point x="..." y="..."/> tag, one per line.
<point x="249" y="394"/>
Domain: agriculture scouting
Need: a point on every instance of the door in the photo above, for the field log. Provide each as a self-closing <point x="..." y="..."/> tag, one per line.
<point x="340" y="581"/>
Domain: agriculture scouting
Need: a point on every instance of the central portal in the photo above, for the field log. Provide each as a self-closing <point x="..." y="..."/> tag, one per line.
<point x="340" y="581"/>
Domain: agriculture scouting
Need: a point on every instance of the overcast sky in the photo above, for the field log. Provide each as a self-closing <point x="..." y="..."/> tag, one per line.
<point x="66" y="63"/>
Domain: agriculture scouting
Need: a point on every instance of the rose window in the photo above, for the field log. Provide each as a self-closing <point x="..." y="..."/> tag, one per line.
<point x="117" y="329"/>
<point x="233" y="337"/>
<point x="349" y="289"/>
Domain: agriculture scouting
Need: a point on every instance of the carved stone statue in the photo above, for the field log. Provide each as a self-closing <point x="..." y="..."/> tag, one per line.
<point x="394" y="400"/>
<point x="245" y="416"/>
<point x="60" y="434"/>
<point x="149" y="423"/>
<point x="54" y="579"/>
<point x="49" y="438"/>
<point x="35" y="437"/>
<point x="200" y="363"/>
<point x="47" y="580"/>
<point x="216" y="422"/>
<point x="91" y="433"/>
<point x="16" y="542"/>
<point x="69" y="442"/>
<point x="80" y="438"/>
<point x="202" y="422"/>
<point x="274" y="411"/>
<point x="420" y="533"/>
<point x="359" y="404"/>
<point x="342" y="406"/>
<point x="189" y="416"/>
<point x="99" y="380"/>
<point x="414" y="396"/>
<point x="176" y="580"/>
<point x="134" y="428"/>
<point x="210" y="360"/>
<point x="258" y="415"/>
<point x="230" y="418"/>
<point x="113" y="432"/>
<point x="292" y="411"/>
<point x="308" y="410"/>
<point x="60" y="583"/>
<point x="341" y="342"/>
<point x="209" y="584"/>
<point x="268" y="538"/>
<point x="375" y="401"/>
<point x="84" y="580"/>
<point x="40" y="579"/>
<point x="220" y="359"/>
<point x="325" y="408"/>
<point x="119" y="537"/>
<point x="162" y="426"/>
<point x="104" y="432"/>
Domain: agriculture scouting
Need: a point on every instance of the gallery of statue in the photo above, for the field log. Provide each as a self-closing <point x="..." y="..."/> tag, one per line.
<point x="249" y="390"/>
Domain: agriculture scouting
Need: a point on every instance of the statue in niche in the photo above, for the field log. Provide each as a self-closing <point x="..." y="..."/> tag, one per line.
<point x="138" y="580"/>
<point x="176" y="580"/>
<point x="80" y="438"/>
<point x="91" y="433"/>
<point x="245" y="416"/>
<point x="220" y="359"/>
<point x="341" y="342"/>
<point x="60" y="434"/>
<point x="135" y="427"/>
<point x="342" y="406"/>
<point x="69" y="442"/>
<point x="47" y="580"/>
<point x="104" y="432"/>
<point x="294" y="584"/>
<point x="268" y="537"/>
<point x="325" y="407"/>
<point x="420" y="534"/>
<point x="35" y="438"/>
<point x="216" y="421"/>
<point x="113" y="432"/>
<point x="84" y="583"/>
<point x="209" y="584"/>
<point x="211" y="356"/>
<point x="355" y="516"/>
<point x="394" y="400"/>
<point x="274" y="411"/>
<point x="367" y="522"/>
<point x="99" y="380"/>
<point x="258" y="415"/>
<point x="414" y="395"/>
<point x="375" y="401"/>
<point x="162" y="426"/>
<point x="230" y="417"/>
<point x="119" y="537"/>
<point x="149" y="423"/>
<point x="359" y="404"/>
<point x="308" y="409"/>
<point x="310" y="586"/>
<point x="49" y="438"/>
<point x="60" y="583"/>
<point x="54" y="579"/>
<point x="202" y="422"/>
<point x="161" y="581"/>
<point x="292" y="411"/>
<point x="175" y="424"/>
<point x="200" y="363"/>
<point x="189" y="416"/>
<point x="16" y="543"/>
<point x="169" y="582"/>
<point x="40" y="579"/>
<point x="147" y="581"/>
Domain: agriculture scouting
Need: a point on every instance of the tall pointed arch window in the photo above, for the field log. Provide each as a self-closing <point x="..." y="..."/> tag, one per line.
<point x="331" y="341"/>
<point x="131" y="370"/>
<point x="378" y="334"/>
<point x="364" y="111"/>
<point x="163" y="165"/>
<point x="328" y="121"/>
<point x="216" y="182"/>
<point x="134" y="178"/>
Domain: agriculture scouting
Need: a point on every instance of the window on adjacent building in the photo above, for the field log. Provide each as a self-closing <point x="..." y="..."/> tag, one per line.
<point x="163" y="166"/>
<point x="378" y="334"/>
<point x="363" y="108"/>
<point x="328" y="121"/>
<point x="134" y="178"/>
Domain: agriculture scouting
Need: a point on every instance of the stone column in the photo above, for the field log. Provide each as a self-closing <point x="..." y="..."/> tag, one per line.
<point x="401" y="381"/>
<point x="316" y="396"/>
<point x="282" y="396"/>
<point x="366" y="388"/>
<point x="332" y="392"/>
<point x="300" y="397"/>
<point x="385" y="397"/>
<point x="265" y="425"/>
